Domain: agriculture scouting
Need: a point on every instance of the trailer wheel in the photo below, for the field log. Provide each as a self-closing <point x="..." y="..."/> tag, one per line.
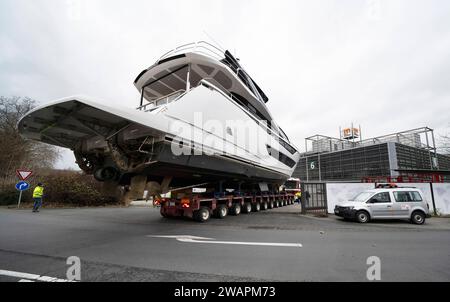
<point x="221" y="211"/>
<point x="264" y="206"/>
<point x="257" y="207"/>
<point x="236" y="209"/>
<point x="247" y="207"/>
<point x="202" y="214"/>
<point x="277" y="204"/>
<point x="271" y="205"/>
<point x="284" y="203"/>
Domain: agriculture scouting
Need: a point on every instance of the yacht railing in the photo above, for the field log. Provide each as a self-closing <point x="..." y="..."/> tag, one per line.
<point x="180" y="93"/>
<point x="201" y="47"/>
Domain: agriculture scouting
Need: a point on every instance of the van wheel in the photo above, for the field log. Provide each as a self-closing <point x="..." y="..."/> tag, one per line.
<point x="418" y="217"/>
<point x="362" y="216"/>
<point x="221" y="211"/>
<point x="202" y="214"/>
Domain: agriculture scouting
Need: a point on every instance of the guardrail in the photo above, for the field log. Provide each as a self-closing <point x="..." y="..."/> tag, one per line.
<point x="202" y="47"/>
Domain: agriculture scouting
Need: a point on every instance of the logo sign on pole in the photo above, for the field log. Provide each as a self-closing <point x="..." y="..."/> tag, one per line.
<point x="23" y="174"/>
<point x="22" y="186"/>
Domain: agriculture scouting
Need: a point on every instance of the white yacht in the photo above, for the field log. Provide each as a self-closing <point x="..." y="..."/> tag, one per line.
<point x="201" y="118"/>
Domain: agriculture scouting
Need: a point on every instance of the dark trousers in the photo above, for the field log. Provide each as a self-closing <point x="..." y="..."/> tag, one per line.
<point x="37" y="203"/>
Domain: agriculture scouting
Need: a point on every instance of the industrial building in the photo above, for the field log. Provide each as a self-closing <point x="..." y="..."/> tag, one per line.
<point x="408" y="156"/>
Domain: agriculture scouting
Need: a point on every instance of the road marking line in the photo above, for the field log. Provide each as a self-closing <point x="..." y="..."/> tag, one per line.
<point x="26" y="277"/>
<point x="18" y="275"/>
<point x="195" y="239"/>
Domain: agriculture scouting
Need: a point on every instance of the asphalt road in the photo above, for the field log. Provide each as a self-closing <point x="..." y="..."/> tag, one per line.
<point x="115" y="244"/>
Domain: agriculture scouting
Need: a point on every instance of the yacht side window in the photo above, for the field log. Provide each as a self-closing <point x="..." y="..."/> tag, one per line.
<point x="251" y="109"/>
<point x="283" y="135"/>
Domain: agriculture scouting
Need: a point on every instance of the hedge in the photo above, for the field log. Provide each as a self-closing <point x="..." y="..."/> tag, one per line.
<point x="61" y="187"/>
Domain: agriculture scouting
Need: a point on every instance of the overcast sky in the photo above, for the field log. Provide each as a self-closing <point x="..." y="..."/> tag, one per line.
<point x="382" y="64"/>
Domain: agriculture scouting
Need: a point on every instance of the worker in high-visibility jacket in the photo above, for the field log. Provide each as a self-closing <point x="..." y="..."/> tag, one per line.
<point x="38" y="193"/>
<point x="298" y="196"/>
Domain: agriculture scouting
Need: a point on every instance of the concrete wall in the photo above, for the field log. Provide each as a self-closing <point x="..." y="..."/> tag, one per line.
<point x="442" y="198"/>
<point x="338" y="192"/>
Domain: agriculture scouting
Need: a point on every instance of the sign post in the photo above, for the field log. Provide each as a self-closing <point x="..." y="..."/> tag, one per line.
<point x="20" y="198"/>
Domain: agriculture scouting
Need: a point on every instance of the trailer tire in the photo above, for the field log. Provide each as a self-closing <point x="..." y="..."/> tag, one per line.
<point x="264" y="206"/>
<point x="236" y="209"/>
<point x="277" y="203"/>
<point x="257" y="207"/>
<point x="221" y="211"/>
<point x="247" y="208"/>
<point x="271" y="205"/>
<point x="202" y="214"/>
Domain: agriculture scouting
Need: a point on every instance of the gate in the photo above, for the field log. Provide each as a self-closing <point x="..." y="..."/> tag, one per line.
<point x="314" y="198"/>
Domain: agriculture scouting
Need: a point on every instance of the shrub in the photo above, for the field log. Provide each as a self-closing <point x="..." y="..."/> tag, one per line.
<point x="61" y="187"/>
<point x="8" y="197"/>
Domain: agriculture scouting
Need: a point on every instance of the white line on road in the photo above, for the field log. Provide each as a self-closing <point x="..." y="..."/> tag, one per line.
<point x="26" y="277"/>
<point x="195" y="239"/>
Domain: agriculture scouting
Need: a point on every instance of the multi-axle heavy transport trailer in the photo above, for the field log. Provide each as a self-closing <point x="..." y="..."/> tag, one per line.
<point x="201" y="204"/>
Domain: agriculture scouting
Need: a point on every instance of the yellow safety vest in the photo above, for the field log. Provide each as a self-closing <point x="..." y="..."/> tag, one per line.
<point x="38" y="192"/>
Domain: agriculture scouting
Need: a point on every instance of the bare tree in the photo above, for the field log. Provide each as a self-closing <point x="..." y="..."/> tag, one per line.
<point x="15" y="151"/>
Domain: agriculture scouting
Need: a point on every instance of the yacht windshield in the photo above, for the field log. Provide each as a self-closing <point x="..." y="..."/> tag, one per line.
<point x="361" y="197"/>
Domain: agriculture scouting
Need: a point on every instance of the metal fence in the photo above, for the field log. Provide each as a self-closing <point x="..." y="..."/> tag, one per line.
<point x="314" y="198"/>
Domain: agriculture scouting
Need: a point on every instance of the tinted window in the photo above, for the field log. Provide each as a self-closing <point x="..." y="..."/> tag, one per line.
<point x="416" y="196"/>
<point x="361" y="197"/>
<point x="381" y="198"/>
<point x="280" y="156"/>
<point x="407" y="196"/>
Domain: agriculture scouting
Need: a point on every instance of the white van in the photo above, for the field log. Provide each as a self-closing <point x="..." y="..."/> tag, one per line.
<point x="386" y="203"/>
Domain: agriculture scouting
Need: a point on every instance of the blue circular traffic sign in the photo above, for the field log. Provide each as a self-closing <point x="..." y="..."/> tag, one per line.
<point x="22" y="186"/>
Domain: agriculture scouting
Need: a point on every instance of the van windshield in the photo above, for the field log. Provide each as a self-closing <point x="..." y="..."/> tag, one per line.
<point x="361" y="197"/>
